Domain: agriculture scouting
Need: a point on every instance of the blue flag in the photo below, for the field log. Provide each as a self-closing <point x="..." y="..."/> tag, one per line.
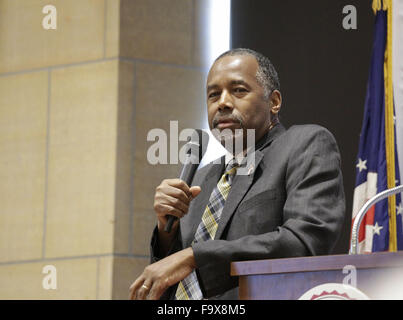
<point x="371" y="167"/>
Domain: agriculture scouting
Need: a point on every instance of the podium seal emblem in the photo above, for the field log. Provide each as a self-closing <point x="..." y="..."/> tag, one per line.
<point x="334" y="291"/>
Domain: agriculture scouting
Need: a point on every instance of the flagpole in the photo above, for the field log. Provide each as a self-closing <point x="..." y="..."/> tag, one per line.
<point x="390" y="128"/>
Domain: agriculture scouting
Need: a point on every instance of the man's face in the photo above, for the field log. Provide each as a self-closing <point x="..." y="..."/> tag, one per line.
<point x="235" y="99"/>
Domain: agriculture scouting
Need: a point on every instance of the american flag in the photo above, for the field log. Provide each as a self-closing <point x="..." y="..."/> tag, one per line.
<point x="371" y="166"/>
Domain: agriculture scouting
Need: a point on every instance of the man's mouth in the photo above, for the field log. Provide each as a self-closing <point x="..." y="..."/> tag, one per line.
<point x="226" y="123"/>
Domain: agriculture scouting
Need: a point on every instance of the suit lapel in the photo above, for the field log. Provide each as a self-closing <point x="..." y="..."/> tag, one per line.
<point x="242" y="183"/>
<point x="240" y="187"/>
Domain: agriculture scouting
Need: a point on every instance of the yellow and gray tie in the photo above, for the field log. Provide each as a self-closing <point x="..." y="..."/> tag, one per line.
<point x="189" y="288"/>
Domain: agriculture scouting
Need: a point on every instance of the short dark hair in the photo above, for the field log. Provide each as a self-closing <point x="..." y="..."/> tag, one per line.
<point x="266" y="74"/>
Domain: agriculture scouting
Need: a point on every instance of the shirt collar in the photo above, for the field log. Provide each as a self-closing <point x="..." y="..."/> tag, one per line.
<point x="260" y="144"/>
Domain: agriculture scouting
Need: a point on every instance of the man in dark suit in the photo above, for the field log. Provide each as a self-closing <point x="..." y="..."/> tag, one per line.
<point x="289" y="203"/>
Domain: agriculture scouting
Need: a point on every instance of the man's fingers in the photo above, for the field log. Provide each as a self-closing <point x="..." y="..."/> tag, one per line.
<point x="173" y="198"/>
<point x="134" y="287"/>
<point x="169" y="210"/>
<point x="140" y="289"/>
<point x="143" y="291"/>
<point x="175" y="192"/>
<point x="177" y="203"/>
<point x="195" y="191"/>
<point x="179" y="184"/>
<point x="155" y="292"/>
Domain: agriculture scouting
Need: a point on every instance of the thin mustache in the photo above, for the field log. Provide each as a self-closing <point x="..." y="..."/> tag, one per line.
<point x="232" y="118"/>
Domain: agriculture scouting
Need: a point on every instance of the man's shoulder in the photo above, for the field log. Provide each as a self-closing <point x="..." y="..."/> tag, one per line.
<point x="308" y="133"/>
<point x="306" y="129"/>
<point x="301" y="139"/>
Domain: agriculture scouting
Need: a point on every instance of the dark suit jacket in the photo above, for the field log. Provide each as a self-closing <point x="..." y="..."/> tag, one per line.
<point x="291" y="204"/>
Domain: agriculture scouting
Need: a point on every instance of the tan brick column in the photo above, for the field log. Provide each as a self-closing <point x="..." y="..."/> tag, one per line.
<point x="76" y="104"/>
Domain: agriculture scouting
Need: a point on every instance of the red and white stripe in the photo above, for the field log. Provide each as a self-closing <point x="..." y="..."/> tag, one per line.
<point x="362" y="193"/>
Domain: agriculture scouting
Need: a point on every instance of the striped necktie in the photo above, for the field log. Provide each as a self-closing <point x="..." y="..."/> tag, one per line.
<point x="189" y="288"/>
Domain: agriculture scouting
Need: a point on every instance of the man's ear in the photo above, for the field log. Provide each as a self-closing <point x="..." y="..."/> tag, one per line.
<point x="275" y="102"/>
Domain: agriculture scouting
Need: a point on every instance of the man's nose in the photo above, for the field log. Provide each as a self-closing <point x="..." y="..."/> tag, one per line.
<point x="225" y="101"/>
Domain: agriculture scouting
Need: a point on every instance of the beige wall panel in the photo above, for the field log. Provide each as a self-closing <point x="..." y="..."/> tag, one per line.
<point x="163" y="93"/>
<point x="124" y="158"/>
<point x="82" y="154"/>
<point x="125" y="272"/>
<point x="112" y="28"/>
<point x="159" y="30"/>
<point x="144" y="222"/>
<point x="23" y="121"/>
<point x="75" y="279"/>
<point x="25" y="44"/>
<point x="99" y="191"/>
<point x="105" y="278"/>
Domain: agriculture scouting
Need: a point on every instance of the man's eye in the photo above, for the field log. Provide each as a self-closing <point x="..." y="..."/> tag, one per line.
<point x="240" y="90"/>
<point x="213" y="94"/>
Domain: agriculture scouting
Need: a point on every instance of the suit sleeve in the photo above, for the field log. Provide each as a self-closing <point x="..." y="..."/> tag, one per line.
<point x="156" y="256"/>
<point x="313" y="214"/>
<point x="155" y="250"/>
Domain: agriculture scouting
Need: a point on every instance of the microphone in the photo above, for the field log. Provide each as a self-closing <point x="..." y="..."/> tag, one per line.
<point x="195" y="149"/>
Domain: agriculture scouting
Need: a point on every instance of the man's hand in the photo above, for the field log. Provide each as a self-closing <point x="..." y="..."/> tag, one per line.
<point x="159" y="276"/>
<point x="172" y="197"/>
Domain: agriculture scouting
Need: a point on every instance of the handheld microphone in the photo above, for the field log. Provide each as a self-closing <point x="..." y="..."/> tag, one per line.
<point x="195" y="149"/>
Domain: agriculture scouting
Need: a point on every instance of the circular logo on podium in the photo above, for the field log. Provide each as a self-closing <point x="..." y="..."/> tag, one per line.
<point x="334" y="291"/>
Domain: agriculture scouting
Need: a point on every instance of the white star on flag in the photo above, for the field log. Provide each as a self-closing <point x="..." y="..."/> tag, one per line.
<point x="377" y="229"/>
<point x="362" y="164"/>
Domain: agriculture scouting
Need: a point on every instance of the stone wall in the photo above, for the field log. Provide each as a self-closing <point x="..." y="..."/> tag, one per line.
<point x="76" y="104"/>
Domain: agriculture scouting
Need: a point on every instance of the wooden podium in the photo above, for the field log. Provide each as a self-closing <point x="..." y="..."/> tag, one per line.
<point x="289" y="279"/>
